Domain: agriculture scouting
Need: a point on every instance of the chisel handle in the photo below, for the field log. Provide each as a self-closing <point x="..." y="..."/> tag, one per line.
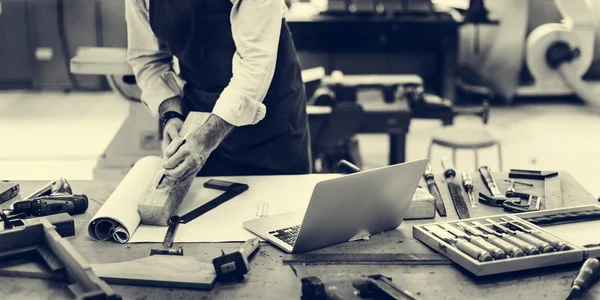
<point x="557" y="244"/>
<point x="527" y="248"/>
<point x="495" y="251"/>
<point x="473" y="251"/>
<point x="541" y="245"/>
<point x="590" y="269"/>
<point x="507" y="247"/>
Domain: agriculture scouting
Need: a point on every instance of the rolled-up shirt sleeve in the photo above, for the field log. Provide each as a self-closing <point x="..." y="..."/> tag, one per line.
<point x="255" y="26"/>
<point x="151" y="61"/>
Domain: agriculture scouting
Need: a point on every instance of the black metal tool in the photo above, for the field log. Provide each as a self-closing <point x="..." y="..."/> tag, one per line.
<point x="435" y="191"/>
<point x="490" y="183"/>
<point x="496" y="252"/>
<point x="519" y="205"/>
<point x="487" y="200"/>
<point x="541" y="245"/>
<point x="592" y="214"/>
<point x="511" y="192"/>
<point x="554" y="242"/>
<point x="468" y="185"/>
<point x="351" y="286"/>
<point x="588" y="273"/>
<point x="8" y="190"/>
<point x="456" y="190"/>
<point x="508" y="248"/>
<point x="53" y="198"/>
<point x="531" y="174"/>
<point x="525" y="247"/>
<point x="231" y="190"/>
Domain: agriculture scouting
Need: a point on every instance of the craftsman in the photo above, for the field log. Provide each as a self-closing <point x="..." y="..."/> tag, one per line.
<point x="237" y="62"/>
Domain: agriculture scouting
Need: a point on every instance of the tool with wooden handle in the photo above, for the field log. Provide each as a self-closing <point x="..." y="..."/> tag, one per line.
<point x="527" y="248"/>
<point x="508" y="248"/>
<point x="233" y="266"/>
<point x="435" y="191"/>
<point x="462" y="245"/>
<point x="490" y="183"/>
<point x="557" y="244"/>
<point x="541" y="245"/>
<point x="588" y="273"/>
<point x="468" y="185"/>
<point x="455" y="189"/>
<point x="496" y="252"/>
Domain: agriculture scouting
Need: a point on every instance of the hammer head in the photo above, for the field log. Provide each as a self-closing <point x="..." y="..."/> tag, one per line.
<point x="231" y="266"/>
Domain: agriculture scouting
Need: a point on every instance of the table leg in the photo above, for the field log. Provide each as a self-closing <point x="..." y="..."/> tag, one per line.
<point x="397" y="147"/>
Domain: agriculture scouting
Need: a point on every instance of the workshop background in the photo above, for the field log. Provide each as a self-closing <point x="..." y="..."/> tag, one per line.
<point x="60" y="122"/>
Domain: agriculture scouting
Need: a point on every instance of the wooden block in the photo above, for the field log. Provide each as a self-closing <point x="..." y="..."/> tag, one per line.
<point x="163" y="198"/>
<point x="422" y="206"/>
<point x="160" y="270"/>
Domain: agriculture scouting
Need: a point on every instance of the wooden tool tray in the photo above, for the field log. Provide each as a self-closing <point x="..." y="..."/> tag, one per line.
<point x="577" y="227"/>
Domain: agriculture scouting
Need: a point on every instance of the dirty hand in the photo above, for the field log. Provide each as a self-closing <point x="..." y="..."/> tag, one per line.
<point x="186" y="156"/>
<point x="171" y="132"/>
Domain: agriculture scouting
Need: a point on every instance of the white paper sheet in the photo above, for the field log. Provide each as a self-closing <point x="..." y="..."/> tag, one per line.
<point x="118" y="218"/>
<point x="267" y="195"/>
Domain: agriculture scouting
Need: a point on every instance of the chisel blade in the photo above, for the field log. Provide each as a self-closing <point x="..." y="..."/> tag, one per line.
<point x="435" y="191"/>
<point x="455" y="188"/>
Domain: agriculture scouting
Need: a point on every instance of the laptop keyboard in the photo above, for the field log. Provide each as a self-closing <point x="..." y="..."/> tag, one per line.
<point x="287" y="235"/>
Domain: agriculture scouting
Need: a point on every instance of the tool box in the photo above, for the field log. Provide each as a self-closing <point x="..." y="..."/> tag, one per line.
<point x="562" y="236"/>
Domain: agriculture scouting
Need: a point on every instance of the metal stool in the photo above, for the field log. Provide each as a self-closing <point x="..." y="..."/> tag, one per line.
<point x="463" y="137"/>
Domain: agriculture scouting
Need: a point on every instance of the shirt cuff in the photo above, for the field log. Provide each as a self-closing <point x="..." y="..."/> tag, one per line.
<point x="167" y="85"/>
<point x="238" y="109"/>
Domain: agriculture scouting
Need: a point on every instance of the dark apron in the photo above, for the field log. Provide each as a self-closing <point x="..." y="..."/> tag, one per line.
<point x="198" y="33"/>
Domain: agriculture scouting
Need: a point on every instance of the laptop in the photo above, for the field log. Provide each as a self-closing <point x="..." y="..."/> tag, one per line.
<point x="344" y="208"/>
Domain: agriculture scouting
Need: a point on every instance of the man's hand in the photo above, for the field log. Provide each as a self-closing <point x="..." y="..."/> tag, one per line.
<point x="186" y="155"/>
<point x="171" y="132"/>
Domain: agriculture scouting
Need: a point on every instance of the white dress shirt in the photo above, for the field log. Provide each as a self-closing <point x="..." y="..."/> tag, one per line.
<point x="255" y="26"/>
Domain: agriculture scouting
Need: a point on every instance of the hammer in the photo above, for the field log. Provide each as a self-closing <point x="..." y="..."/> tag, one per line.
<point x="236" y="264"/>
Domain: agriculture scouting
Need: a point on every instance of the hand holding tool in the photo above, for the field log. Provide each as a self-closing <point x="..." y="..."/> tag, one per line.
<point x="350" y="286"/>
<point x="435" y="191"/>
<point x="496" y="252"/>
<point x="456" y="191"/>
<point x="490" y="183"/>
<point x="527" y="248"/>
<point x="588" y="272"/>
<point x="541" y="245"/>
<point x="468" y="185"/>
<point x="508" y="248"/>
<point x="236" y="264"/>
<point x="554" y="242"/>
<point x="231" y="190"/>
<point x="462" y="245"/>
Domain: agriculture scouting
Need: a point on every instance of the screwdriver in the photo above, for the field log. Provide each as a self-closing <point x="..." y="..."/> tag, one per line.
<point x="508" y="248"/>
<point x="468" y="185"/>
<point x="541" y="245"/>
<point x="496" y="252"/>
<point x="527" y="248"/>
<point x="588" y="272"/>
<point x="462" y="245"/>
<point x="559" y="245"/>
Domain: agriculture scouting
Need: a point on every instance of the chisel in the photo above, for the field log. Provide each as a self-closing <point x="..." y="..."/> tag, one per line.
<point x="541" y="245"/>
<point x="557" y="244"/>
<point x="496" y="252"/>
<point x="588" y="272"/>
<point x="462" y="245"/>
<point x="435" y="191"/>
<point x="508" y="248"/>
<point x="468" y="185"/>
<point x="455" y="189"/>
<point x="527" y="248"/>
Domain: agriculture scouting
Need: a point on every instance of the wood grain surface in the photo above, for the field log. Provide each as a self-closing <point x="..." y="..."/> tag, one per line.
<point x="270" y="278"/>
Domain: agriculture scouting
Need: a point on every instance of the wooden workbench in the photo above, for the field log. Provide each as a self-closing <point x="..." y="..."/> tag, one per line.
<point x="271" y="279"/>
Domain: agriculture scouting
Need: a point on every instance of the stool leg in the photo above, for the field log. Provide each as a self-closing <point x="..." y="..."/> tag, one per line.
<point x="429" y="152"/>
<point x="500" y="156"/>
<point x="476" y="158"/>
<point x="454" y="157"/>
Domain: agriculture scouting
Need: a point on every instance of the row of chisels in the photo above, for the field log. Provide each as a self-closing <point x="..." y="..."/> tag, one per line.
<point x="454" y="187"/>
<point x="497" y="239"/>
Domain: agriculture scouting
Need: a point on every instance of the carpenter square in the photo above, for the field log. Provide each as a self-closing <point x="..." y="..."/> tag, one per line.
<point x="435" y="191"/>
<point x="455" y="189"/>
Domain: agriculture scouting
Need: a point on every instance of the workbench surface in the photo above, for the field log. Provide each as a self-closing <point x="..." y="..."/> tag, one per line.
<point x="269" y="278"/>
